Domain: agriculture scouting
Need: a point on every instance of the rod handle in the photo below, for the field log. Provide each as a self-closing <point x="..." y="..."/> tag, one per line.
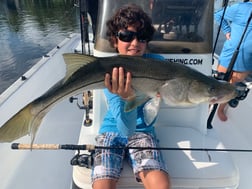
<point x="18" y="146"/>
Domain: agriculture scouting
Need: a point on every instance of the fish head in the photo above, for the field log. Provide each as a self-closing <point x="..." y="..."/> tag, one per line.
<point x="211" y="90"/>
<point x="186" y="91"/>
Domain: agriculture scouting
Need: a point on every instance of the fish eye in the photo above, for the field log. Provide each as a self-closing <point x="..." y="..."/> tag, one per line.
<point x="211" y="89"/>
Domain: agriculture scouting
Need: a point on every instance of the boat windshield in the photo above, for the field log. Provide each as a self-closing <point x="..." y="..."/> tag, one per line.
<point x="182" y="26"/>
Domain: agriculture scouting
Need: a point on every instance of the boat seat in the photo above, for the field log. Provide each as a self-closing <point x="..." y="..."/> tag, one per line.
<point x="187" y="169"/>
<point x="196" y="169"/>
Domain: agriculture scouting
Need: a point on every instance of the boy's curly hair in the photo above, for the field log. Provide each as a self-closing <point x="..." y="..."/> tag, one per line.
<point x="130" y="15"/>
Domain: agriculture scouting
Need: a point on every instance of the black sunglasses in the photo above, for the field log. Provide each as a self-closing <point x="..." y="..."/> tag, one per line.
<point x="128" y="36"/>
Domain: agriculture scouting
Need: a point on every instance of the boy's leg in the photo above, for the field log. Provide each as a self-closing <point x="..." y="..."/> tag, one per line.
<point x="108" y="162"/>
<point x="148" y="164"/>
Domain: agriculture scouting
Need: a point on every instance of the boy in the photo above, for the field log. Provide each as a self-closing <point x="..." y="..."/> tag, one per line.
<point x="129" y="31"/>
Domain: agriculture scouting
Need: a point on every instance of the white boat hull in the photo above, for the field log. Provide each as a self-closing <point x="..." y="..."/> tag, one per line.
<point x="176" y="128"/>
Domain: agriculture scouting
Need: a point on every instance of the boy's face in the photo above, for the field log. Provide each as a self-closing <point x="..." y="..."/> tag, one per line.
<point x="132" y="48"/>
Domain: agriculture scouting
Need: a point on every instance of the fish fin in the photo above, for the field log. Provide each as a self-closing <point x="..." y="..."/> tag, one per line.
<point x="151" y="109"/>
<point x="137" y="101"/>
<point x="22" y="124"/>
<point x="74" y="62"/>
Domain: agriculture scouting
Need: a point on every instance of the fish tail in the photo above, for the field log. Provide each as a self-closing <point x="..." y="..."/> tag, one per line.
<point x="23" y="123"/>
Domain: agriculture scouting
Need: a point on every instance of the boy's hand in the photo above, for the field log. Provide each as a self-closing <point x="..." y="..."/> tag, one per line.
<point x="118" y="84"/>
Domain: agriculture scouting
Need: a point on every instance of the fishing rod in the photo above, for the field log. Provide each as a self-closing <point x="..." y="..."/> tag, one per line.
<point x="210" y="118"/>
<point x="89" y="147"/>
<point x="228" y="74"/>
<point x="225" y="3"/>
<point x="84" y="25"/>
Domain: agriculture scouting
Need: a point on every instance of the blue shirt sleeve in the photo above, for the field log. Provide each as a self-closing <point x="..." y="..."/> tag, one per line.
<point x="229" y="15"/>
<point x="125" y="121"/>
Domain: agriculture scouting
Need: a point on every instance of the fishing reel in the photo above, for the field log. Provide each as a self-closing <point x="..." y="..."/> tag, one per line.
<point x="218" y="75"/>
<point x="242" y="92"/>
<point x="87" y="101"/>
<point x="241" y="88"/>
<point x="83" y="160"/>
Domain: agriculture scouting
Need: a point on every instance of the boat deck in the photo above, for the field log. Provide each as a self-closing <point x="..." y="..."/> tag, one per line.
<point x="29" y="168"/>
<point x="22" y="169"/>
<point x="236" y="134"/>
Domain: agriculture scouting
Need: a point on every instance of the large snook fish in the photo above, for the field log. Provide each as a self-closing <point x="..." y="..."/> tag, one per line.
<point x="177" y="85"/>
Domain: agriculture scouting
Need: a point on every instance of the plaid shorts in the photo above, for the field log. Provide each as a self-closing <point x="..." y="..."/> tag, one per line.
<point x="108" y="163"/>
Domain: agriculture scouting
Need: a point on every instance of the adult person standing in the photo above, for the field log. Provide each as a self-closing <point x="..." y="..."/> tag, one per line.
<point x="129" y="31"/>
<point x="234" y="22"/>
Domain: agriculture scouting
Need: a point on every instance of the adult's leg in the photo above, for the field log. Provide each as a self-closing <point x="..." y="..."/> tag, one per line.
<point x="236" y="77"/>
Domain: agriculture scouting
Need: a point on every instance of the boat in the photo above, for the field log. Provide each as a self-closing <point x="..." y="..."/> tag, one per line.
<point x="198" y="155"/>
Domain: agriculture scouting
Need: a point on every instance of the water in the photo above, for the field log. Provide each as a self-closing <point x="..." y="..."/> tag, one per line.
<point x="28" y="30"/>
<point x="31" y="28"/>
